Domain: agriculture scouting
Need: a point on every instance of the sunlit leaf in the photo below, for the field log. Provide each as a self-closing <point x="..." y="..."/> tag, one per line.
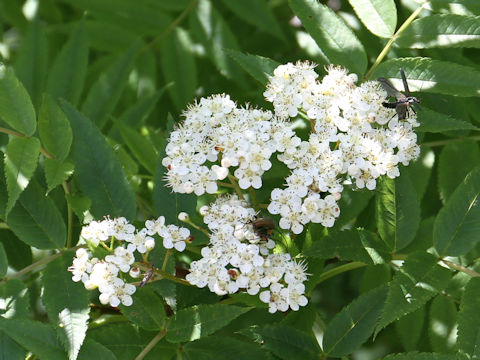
<point x="378" y="16"/>
<point x="445" y="30"/>
<point x="337" y="41"/>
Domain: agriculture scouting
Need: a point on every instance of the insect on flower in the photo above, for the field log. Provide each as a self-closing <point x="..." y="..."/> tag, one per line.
<point x="148" y="275"/>
<point x="404" y="101"/>
<point x="263" y="227"/>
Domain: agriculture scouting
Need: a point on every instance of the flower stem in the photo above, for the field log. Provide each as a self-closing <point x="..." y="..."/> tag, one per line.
<point x="66" y="190"/>
<point x="151" y="344"/>
<point x="236" y="187"/>
<point x="390" y="42"/>
<point x="17" y="134"/>
<point x="448" y="141"/>
<point x="31" y="267"/>
<point x="165" y="275"/>
<point x="165" y="260"/>
<point x="195" y="226"/>
<point x="340" y="269"/>
<point x="224" y="184"/>
<point x="171" y="27"/>
<point x="460" y="268"/>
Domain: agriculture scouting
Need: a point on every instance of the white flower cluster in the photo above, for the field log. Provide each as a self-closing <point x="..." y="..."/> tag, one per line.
<point x="108" y="274"/>
<point x="216" y="130"/>
<point x="354" y="139"/>
<point x="238" y="258"/>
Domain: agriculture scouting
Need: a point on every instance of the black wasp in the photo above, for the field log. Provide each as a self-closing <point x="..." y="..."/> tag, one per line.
<point x="404" y="101"/>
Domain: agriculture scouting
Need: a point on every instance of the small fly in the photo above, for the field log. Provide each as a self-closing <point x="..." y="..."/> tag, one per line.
<point x="263" y="227"/>
<point x="404" y="101"/>
<point x="148" y="275"/>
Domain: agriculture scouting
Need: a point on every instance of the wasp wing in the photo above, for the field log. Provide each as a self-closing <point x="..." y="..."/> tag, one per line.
<point x="405" y="84"/>
<point x="390" y="89"/>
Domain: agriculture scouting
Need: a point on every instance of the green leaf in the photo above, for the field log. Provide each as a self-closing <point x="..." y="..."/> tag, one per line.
<point x="459" y="6"/>
<point x="136" y="115"/>
<point x="32" y="60"/>
<point x="106" y="91"/>
<point x="287" y="342"/>
<point x="80" y="205"/>
<point x="433" y="76"/>
<point x="259" y="67"/>
<point x="200" y="321"/>
<point x="94" y="350"/>
<point x="36" y="220"/>
<point x="442" y="327"/>
<point x="16" y="298"/>
<point x="468" y="340"/>
<point x="3" y="261"/>
<point x="57" y="172"/>
<point x="19" y="254"/>
<point x="10" y="350"/>
<point x="374" y="276"/>
<point x="69" y="312"/>
<point x="420" y="171"/>
<point x="409" y="328"/>
<point x="457" y="159"/>
<point x="178" y="66"/>
<point x="67" y="74"/>
<point x="258" y="14"/>
<point x="123" y="339"/>
<point x="457" y="225"/>
<point x="378" y="16"/>
<point x="21" y="158"/>
<point x="54" y="129"/>
<point x="98" y="172"/>
<point x="352" y="203"/>
<point x="419" y="279"/>
<point x="16" y="108"/>
<point x="37" y="337"/>
<point x="142" y="17"/>
<point x="222" y="348"/>
<point x="3" y="191"/>
<point x="212" y="31"/>
<point x="420" y="356"/>
<point x="445" y="30"/>
<point x="337" y="41"/>
<point x="108" y="37"/>
<point x="357" y="245"/>
<point x="352" y="326"/>
<point x="398" y="212"/>
<point x="424" y="237"/>
<point x="141" y="147"/>
<point x="147" y="310"/>
<point x="435" y="122"/>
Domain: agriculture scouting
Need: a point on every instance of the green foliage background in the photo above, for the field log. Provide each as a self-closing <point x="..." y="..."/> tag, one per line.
<point x="89" y="90"/>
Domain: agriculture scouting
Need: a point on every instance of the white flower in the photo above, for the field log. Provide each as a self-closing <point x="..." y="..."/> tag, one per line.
<point x="123" y="257"/>
<point x="121" y="229"/>
<point x="141" y="240"/>
<point x="294" y="295"/>
<point x="174" y="237"/>
<point x="97" y="231"/>
<point x="154" y="227"/>
<point x="81" y="266"/>
<point x="275" y="298"/>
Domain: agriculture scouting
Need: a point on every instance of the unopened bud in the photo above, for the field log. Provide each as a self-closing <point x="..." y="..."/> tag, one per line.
<point x="183" y="216"/>
<point x="134" y="272"/>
